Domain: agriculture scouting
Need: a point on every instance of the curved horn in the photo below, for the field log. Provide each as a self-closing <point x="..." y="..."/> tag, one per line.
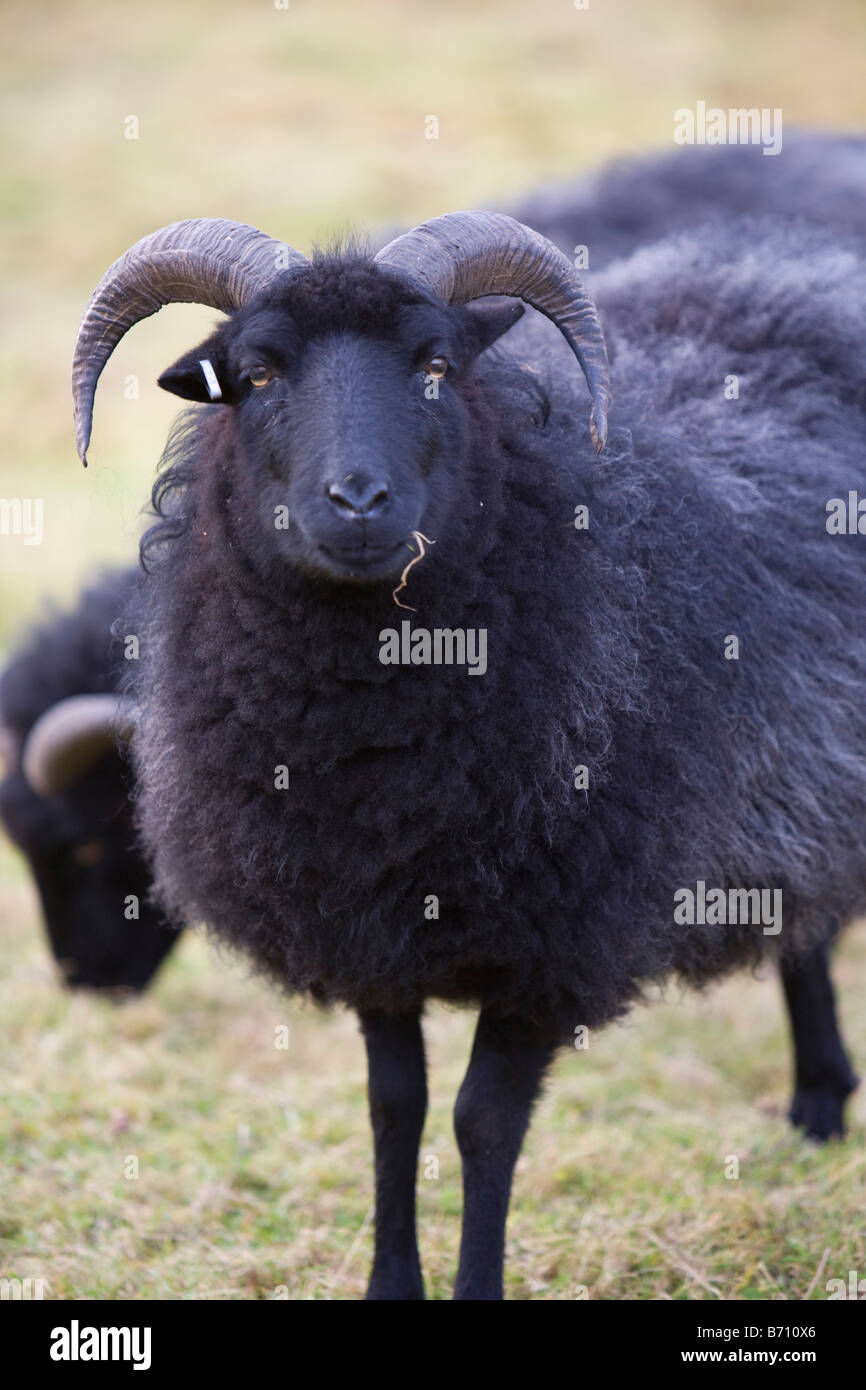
<point x="205" y="260"/>
<point x="70" y="737"/>
<point x="465" y="255"/>
<point x="8" y="751"/>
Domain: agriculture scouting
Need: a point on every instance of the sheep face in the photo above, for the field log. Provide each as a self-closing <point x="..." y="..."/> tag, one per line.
<point x="349" y="392"/>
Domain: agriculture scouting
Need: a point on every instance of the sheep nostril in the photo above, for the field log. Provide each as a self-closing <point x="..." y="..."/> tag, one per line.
<point x="338" y="498"/>
<point x="377" y="501"/>
<point x="359" y="497"/>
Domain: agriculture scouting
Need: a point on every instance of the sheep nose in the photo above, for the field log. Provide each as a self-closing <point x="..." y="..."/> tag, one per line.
<point x="359" y="496"/>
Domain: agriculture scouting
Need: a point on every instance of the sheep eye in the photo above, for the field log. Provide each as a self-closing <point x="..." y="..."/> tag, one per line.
<point x="260" y="376"/>
<point x="437" y="367"/>
<point x="90" y="853"/>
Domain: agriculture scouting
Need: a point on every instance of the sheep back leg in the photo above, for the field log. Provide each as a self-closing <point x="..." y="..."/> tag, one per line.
<point x="506" y="1069"/>
<point x="397" y="1091"/>
<point x="823" y="1076"/>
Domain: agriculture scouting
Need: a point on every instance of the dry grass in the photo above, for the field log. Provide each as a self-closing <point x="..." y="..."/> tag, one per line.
<point x="254" y="1169"/>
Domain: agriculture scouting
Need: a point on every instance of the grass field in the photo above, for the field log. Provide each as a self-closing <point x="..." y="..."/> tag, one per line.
<point x="254" y="1170"/>
<point x="254" y="1167"/>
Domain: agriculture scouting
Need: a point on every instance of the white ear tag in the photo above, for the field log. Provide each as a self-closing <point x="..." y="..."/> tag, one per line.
<point x="210" y="379"/>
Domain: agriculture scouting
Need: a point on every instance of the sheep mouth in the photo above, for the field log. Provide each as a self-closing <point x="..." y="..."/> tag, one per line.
<point x="364" y="561"/>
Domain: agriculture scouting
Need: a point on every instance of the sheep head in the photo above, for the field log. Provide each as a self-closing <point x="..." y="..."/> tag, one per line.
<point x="350" y="413"/>
<point x="344" y="374"/>
<point x="65" y="803"/>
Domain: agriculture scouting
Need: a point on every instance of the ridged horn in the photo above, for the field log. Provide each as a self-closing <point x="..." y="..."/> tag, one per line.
<point x="205" y="260"/>
<point x="465" y="255"/>
<point x="70" y="737"/>
<point x="8" y="751"/>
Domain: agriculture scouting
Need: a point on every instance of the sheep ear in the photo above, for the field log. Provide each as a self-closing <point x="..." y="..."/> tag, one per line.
<point x="489" y="320"/>
<point x="200" y="375"/>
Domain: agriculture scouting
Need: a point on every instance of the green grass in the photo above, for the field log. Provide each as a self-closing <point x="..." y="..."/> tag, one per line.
<point x="254" y="1164"/>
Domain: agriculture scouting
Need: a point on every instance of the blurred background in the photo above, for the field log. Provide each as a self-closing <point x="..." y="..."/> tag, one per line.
<point x="307" y="119"/>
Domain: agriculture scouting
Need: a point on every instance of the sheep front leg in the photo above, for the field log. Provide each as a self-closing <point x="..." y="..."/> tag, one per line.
<point x="823" y="1075"/>
<point x="506" y="1069"/>
<point x="397" y="1090"/>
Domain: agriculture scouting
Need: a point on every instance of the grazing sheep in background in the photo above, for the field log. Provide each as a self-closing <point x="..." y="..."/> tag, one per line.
<point x="672" y="693"/>
<point x="65" y="796"/>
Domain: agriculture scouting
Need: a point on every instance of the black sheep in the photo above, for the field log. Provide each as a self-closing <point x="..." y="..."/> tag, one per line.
<point x="630" y="202"/>
<point x="65" y="795"/>
<point x="671" y="695"/>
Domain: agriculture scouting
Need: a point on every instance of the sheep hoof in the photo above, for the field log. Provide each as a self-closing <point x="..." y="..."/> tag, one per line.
<point x="820" y="1110"/>
<point x="396" y="1285"/>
